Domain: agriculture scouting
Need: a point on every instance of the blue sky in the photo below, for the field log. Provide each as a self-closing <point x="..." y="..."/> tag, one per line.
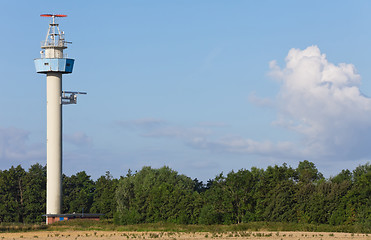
<point x="201" y="86"/>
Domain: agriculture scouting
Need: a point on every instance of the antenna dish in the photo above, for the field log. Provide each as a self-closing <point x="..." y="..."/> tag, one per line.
<point x="53" y="15"/>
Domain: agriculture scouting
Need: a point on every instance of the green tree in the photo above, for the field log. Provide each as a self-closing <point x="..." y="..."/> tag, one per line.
<point x="344" y="175"/>
<point x="12" y="194"/>
<point x="239" y="188"/>
<point x="268" y="189"/>
<point x="307" y="172"/>
<point x="104" y="196"/>
<point x="34" y="194"/>
<point x="127" y="211"/>
<point x="358" y="200"/>
<point x="280" y="203"/>
<point x="153" y="195"/>
<point x="218" y="206"/>
<point x="78" y="191"/>
<point x="229" y="199"/>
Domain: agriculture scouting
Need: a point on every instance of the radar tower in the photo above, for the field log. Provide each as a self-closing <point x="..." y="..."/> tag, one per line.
<point x="54" y="63"/>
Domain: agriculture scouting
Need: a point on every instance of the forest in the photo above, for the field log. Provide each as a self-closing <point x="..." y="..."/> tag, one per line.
<point x="274" y="194"/>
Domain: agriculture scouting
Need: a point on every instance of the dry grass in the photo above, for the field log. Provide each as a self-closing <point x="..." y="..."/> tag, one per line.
<point x="116" y="235"/>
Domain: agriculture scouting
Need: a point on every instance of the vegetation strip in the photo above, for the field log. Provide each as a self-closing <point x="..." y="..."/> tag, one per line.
<point x="298" y="199"/>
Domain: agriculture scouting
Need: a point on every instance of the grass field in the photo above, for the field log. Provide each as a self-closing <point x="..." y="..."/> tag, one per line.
<point x="107" y="225"/>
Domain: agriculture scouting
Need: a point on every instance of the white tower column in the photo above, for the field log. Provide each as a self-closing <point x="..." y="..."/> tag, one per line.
<point x="54" y="143"/>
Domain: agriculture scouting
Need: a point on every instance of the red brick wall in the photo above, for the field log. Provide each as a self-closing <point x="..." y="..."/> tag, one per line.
<point x="51" y="220"/>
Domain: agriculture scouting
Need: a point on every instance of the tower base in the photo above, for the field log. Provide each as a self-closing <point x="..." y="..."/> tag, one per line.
<point x="52" y="218"/>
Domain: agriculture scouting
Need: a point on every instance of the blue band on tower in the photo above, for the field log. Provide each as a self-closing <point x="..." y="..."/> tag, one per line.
<point x="62" y="65"/>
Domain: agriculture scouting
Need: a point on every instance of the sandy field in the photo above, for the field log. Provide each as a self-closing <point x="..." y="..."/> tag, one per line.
<point x="88" y="235"/>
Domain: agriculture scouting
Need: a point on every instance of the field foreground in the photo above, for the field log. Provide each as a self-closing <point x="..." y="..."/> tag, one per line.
<point x="115" y="235"/>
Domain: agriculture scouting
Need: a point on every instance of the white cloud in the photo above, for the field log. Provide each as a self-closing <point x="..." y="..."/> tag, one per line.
<point x="238" y="144"/>
<point x="178" y="132"/>
<point x="78" y="138"/>
<point x="157" y="128"/>
<point x="261" y="102"/>
<point x="15" y="148"/>
<point x="204" y="138"/>
<point x="212" y="124"/>
<point x="319" y="101"/>
<point x="322" y="102"/>
<point x="143" y="123"/>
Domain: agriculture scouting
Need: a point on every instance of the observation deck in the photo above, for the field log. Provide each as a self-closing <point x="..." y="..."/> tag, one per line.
<point x="52" y="58"/>
<point x="62" y="65"/>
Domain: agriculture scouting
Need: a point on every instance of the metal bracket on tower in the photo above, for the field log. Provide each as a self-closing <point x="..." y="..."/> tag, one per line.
<point x="69" y="97"/>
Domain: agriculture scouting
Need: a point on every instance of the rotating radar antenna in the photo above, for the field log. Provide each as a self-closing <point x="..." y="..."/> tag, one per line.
<point x="54" y="37"/>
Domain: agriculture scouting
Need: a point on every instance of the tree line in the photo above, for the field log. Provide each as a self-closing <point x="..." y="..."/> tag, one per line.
<point x="275" y="194"/>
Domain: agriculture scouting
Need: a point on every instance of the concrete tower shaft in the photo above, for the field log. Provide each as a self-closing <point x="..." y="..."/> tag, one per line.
<point x="54" y="143"/>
